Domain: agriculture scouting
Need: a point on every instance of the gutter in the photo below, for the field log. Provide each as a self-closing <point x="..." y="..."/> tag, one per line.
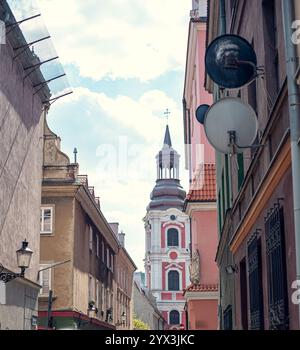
<point x="288" y="11"/>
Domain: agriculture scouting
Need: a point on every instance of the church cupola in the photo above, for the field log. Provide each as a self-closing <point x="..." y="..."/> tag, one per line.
<point x="167" y="193"/>
<point x="167" y="160"/>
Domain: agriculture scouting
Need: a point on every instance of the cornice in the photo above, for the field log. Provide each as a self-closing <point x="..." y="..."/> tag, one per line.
<point x="59" y="190"/>
<point x="192" y="207"/>
<point x="201" y="296"/>
<point x="97" y="217"/>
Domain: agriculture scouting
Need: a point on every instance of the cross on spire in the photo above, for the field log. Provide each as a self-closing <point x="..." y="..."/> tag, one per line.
<point x="167" y="114"/>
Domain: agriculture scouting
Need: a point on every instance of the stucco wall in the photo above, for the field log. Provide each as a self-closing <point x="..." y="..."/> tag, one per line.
<point x="205" y="239"/>
<point x="59" y="247"/>
<point x="21" y="144"/>
<point x="201" y="316"/>
<point x="18" y="304"/>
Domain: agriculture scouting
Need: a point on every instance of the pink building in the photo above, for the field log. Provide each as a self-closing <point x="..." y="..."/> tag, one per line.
<point x="202" y="293"/>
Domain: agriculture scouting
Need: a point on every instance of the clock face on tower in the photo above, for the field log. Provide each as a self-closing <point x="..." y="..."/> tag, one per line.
<point x="173" y="217"/>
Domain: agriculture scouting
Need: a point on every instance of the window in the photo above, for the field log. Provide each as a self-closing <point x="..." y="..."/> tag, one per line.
<point x="103" y="251"/>
<point x="103" y="298"/>
<point x="173" y="280"/>
<point x="112" y="262"/>
<point x="97" y="245"/>
<point x="91" y="289"/>
<point x="244" y="294"/>
<point x="227" y="318"/>
<point x="107" y="257"/>
<point x="46" y="220"/>
<point x="98" y="300"/>
<point x="174" y="317"/>
<point x="173" y="239"/>
<point x="255" y="284"/>
<point x="45" y="279"/>
<point x="91" y="238"/>
<point x="240" y="160"/>
<point x="276" y="269"/>
<point x="272" y="43"/>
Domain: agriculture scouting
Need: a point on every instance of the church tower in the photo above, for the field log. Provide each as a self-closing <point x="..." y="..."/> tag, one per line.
<point x="167" y="241"/>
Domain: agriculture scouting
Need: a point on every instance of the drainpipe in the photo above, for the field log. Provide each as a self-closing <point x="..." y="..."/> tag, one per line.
<point x="294" y="112"/>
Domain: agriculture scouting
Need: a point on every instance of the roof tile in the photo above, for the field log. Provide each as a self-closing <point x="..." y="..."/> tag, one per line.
<point x="203" y="187"/>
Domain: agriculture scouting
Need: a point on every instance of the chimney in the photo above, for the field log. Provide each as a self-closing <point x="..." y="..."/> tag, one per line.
<point x="115" y="227"/>
<point x="122" y="238"/>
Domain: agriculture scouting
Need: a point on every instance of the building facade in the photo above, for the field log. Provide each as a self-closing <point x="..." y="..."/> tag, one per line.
<point x="125" y="268"/>
<point x="256" y="253"/>
<point x="167" y="238"/>
<point x="22" y="112"/>
<point x="200" y="204"/>
<point x="79" y="251"/>
<point x="144" y="305"/>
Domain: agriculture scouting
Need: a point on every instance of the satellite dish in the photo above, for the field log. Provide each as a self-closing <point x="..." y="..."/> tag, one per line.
<point x="231" y="125"/>
<point x="200" y="113"/>
<point x="231" y="61"/>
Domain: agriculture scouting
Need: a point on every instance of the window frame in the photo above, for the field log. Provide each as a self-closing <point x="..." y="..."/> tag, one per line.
<point x="42" y="219"/>
<point x="179" y="281"/>
<point x="91" y="240"/>
<point x="179" y="318"/>
<point x="97" y="245"/>
<point x="41" y="278"/>
<point x="178" y="237"/>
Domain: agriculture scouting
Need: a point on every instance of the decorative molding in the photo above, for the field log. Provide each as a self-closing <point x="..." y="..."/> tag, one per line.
<point x="200" y="206"/>
<point x="201" y="296"/>
<point x="276" y="173"/>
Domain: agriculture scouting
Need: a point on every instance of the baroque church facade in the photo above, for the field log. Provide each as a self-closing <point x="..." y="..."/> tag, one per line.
<point x="167" y="241"/>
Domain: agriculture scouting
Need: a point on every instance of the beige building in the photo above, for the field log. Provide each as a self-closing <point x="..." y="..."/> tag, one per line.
<point x="144" y="305"/>
<point x="74" y="232"/>
<point x="124" y="271"/>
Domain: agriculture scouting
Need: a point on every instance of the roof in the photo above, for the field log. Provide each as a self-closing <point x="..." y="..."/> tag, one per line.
<point x="203" y="188"/>
<point x="167" y="139"/>
<point x="201" y="288"/>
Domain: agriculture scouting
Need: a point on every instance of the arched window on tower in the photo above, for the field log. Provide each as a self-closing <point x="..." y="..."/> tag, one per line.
<point x="173" y="280"/>
<point x="172" y="237"/>
<point x="174" y="317"/>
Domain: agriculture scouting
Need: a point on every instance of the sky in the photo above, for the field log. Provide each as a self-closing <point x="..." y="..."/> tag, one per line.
<point x="125" y="62"/>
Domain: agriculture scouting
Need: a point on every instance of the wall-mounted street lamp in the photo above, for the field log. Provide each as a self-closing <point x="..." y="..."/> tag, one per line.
<point x="23" y="259"/>
<point x="92" y="307"/>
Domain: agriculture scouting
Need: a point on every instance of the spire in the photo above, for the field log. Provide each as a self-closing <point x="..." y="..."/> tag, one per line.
<point x="167" y="140"/>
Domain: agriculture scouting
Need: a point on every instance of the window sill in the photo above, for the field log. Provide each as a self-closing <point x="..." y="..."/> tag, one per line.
<point x="46" y="233"/>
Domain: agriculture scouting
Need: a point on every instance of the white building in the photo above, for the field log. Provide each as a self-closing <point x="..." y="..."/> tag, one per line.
<point x="168" y="238"/>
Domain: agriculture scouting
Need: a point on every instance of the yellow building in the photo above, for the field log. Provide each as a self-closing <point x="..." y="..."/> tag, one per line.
<point x="74" y="232"/>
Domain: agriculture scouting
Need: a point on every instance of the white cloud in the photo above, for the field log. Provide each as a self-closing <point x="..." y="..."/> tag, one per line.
<point x="119" y="38"/>
<point x="124" y="190"/>
<point x="145" y="115"/>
